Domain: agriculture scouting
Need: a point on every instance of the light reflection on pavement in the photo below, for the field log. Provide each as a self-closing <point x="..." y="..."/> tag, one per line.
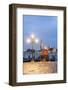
<point x="41" y="67"/>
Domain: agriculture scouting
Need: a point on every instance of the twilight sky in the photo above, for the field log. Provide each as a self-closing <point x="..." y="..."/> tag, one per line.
<point x="44" y="28"/>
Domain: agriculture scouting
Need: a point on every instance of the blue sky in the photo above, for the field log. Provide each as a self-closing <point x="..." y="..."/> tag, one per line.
<point x="44" y="28"/>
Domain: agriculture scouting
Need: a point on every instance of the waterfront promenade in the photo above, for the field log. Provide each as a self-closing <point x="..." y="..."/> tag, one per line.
<point x="41" y="67"/>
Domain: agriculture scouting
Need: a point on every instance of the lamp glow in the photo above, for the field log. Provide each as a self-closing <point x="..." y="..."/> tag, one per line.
<point x="28" y="40"/>
<point x="32" y="36"/>
<point x="36" y="40"/>
<point x="32" y="40"/>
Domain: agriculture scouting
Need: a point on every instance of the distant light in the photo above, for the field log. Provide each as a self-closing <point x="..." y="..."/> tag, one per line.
<point x="28" y="40"/>
<point x="32" y="36"/>
<point x="36" y="40"/>
<point x="45" y="47"/>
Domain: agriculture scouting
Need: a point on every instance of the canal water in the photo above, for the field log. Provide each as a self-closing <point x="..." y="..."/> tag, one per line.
<point x="27" y="55"/>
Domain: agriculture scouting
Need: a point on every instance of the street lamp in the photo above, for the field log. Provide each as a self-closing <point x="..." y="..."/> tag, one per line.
<point x="28" y="40"/>
<point x="32" y="39"/>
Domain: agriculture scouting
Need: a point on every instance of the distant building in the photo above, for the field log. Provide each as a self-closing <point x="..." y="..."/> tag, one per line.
<point x="44" y="52"/>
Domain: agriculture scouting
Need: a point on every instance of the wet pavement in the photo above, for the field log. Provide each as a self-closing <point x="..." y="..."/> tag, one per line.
<point x="41" y="67"/>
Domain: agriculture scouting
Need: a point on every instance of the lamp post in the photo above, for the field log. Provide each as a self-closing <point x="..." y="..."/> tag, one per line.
<point x="32" y="39"/>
